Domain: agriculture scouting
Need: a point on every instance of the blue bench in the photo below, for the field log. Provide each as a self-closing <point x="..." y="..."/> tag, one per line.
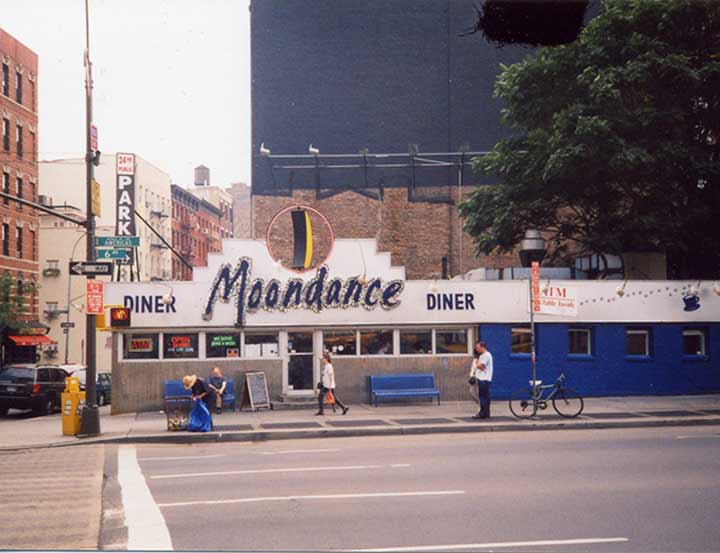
<point x="175" y="391"/>
<point x="401" y="386"/>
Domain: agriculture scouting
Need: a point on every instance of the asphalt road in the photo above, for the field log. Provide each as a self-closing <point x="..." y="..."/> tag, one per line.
<point x="614" y="490"/>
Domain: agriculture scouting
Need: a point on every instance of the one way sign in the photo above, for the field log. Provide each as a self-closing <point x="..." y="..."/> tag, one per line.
<point x="90" y="268"/>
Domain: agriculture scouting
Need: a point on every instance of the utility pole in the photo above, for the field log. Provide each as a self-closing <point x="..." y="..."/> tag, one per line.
<point x="90" y="424"/>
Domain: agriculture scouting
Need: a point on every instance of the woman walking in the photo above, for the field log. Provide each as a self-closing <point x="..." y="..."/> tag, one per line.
<point x="328" y="384"/>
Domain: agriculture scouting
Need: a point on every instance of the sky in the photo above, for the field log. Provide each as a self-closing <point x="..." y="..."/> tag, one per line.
<point x="171" y="80"/>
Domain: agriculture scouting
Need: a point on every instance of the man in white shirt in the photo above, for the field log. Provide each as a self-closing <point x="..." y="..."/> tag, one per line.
<point x="484" y="374"/>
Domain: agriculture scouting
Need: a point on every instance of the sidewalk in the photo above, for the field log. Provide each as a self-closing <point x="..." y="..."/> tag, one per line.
<point x="20" y="431"/>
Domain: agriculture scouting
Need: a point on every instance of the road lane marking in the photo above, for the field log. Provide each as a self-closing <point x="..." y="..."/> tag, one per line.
<point x="297" y="497"/>
<point x="697" y="437"/>
<point x="179" y="458"/>
<point x="292" y="451"/>
<point x="579" y="541"/>
<point x="401" y="466"/>
<point x="264" y="471"/>
<point x="145" y="523"/>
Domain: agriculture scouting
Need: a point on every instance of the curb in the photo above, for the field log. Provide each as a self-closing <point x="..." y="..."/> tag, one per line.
<point x="265" y="435"/>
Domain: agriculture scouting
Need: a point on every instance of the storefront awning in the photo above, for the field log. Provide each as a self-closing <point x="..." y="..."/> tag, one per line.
<point x="31" y="340"/>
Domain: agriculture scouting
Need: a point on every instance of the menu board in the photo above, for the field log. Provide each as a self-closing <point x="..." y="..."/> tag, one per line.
<point x="255" y="391"/>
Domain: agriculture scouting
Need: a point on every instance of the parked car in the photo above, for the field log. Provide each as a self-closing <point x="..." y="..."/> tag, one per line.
<point x="36" y="387"/>
<point x="103" y="385"/>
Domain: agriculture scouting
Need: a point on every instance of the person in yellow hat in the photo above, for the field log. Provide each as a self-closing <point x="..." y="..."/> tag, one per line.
<point x="200" y="391"/>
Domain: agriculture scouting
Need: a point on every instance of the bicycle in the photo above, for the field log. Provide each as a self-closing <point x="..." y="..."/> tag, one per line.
<point x="525" y="402"/>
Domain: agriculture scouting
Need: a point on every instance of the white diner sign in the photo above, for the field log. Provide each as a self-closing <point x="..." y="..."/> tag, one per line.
<point x="244" y="287"/>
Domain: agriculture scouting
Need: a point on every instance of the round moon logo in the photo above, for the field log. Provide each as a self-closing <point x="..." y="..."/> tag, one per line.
<point x="300" y="238"/>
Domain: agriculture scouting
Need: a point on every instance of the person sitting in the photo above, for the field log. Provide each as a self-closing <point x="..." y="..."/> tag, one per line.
<point x="217" y="383"/>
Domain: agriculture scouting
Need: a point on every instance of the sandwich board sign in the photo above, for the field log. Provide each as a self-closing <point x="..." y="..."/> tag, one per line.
<point x="255" y="391"/>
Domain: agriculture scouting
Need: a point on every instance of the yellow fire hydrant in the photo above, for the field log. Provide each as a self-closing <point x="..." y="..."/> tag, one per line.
<point x="73" y="403"/>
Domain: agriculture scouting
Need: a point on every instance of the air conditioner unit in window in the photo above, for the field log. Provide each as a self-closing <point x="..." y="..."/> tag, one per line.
<point x="205" y="231"/>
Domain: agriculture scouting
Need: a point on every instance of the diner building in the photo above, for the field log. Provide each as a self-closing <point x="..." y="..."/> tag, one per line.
<point x="246" y="312"/>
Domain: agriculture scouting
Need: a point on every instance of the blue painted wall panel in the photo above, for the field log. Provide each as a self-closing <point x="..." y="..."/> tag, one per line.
<point x="608" y="372"/>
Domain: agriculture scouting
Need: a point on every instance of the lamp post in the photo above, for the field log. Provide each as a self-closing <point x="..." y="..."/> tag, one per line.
<point x="90" y="424"/>
<point x="532" y="251"/>
<point x="67" y="315"/>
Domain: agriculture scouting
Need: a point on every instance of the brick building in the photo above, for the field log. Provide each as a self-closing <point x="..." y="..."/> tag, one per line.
<point x="196" y="231"/>
<point x="242" y="213"/>
<point x="218" y="197"/>
<point x="18" y="157"/>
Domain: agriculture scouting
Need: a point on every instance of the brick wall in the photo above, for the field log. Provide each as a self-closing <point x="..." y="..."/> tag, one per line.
<point x="20" y="168"/>
<point x="418" y="234"/>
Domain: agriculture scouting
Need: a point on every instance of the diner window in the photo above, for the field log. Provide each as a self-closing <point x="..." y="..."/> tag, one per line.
<point x="694" y="342"/>
<point x="638" y="342"/>
<point x="579" y="342"/>
<point x="520" y="340"/>
<point x="415" y="342"/>
<point x="180" y="346"/>
<point x="451" y="341"/>
<point x="222" y="344"/>
<point x="343" y="342"/>
<point x="261" y="344"/>
<point x="376" y="342"/>
<point x="140" y="346"/>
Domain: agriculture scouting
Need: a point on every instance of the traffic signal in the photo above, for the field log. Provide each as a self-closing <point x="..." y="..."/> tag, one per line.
<point x="119" y="317"/>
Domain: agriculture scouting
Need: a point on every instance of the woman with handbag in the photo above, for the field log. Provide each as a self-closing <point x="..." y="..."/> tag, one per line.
<point x="328" y="385"/>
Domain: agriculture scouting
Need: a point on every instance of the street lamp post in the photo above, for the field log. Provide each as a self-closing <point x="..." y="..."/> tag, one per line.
<point x="67" y="315"/>
<point x="90" y="424"/>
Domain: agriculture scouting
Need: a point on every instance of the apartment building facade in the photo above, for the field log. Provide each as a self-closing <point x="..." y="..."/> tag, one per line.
<point x="19" y="177"/>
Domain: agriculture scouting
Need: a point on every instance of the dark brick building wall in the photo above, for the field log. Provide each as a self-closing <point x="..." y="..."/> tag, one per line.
<point x="18" y="163"/>
<point x="347" y="76"/>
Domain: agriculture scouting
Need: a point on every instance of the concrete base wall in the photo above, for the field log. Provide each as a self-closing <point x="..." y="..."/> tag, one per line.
<point x="451" y="375"/>
<point x="139" y="386"/>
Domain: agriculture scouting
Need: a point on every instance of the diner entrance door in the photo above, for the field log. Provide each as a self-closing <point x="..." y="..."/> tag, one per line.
<point x="301" y="363"/>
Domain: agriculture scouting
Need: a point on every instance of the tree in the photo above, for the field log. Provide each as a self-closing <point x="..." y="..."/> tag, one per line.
<point x="615" y="141"/>
<point x="12" y="304"/>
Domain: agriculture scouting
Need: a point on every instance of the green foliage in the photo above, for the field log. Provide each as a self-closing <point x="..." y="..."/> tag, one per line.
<point x="12" y="305"/>
<point x="615" y="144"/>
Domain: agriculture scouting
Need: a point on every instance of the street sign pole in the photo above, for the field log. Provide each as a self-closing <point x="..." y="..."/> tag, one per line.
<point x="534" y="304"/>
<point x="90" y="424"/>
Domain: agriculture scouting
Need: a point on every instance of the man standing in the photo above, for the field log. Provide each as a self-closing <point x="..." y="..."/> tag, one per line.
<point x="484" y="374"/>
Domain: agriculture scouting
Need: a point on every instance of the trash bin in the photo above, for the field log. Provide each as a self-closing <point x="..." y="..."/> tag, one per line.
<point x="73" y="403"/>
<point x="177" y="411"/>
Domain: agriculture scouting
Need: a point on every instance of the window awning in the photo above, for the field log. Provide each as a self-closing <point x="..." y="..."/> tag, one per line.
<point x="31" y="340"/>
